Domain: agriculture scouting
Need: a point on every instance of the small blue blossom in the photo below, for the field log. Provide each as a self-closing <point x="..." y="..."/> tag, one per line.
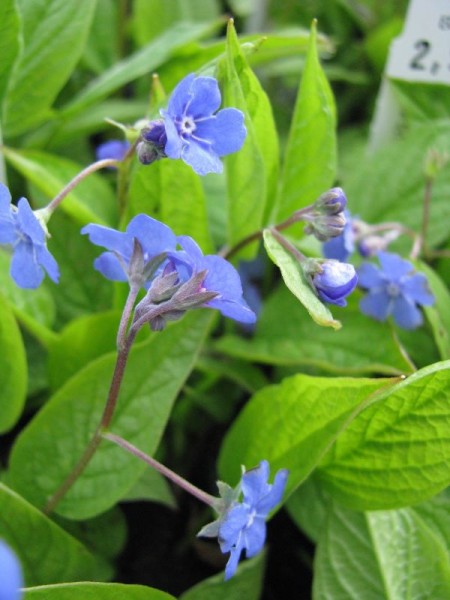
<point x="24" y="233"/>
<point x="221" y="278"/>
<point x="342" y="246"/>
<point x="112" y="149"/>
<point x="334" y="280"/>
<point x="154" y="238"/>
<point x="396" y="289"/>
<point x="11" y="579"/>
<point x="242" y="524"/>
<point x="195" y="132"/>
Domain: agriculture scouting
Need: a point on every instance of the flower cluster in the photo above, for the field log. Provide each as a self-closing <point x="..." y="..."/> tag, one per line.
<point x="192" y="130"/>
<point x="241" y="525"/>
<point x="172" y="269"/>
<point x="396" y="289"/>
<point x="11" y="579"/>
<point x="24" y="234"/>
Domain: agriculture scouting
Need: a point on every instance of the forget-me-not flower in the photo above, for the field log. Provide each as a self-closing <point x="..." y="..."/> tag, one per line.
<point x="11" y="579"/>
<point x="332" y="280"/>
<point x="195" y="132"/>
<point x="24" y="233"/>
<point x="394" y="289"/>
<point x="242" y="524"/>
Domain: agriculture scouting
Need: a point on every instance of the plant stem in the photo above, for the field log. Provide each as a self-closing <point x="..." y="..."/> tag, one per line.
<point x="287" y="245"/>
<point x="108" y="411"/>
<point x="426" y="213"/>
<point x="96" y="166"/>
<point x="177" y="479"/>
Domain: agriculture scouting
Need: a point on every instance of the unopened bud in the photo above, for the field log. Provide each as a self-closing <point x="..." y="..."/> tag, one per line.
<point x="331" y="279"/>
<point x="332" y="202"/>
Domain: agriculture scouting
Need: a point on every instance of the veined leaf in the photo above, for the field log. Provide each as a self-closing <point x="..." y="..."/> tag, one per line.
<point x="95" y="591"/>
<point x="9" y="41"/>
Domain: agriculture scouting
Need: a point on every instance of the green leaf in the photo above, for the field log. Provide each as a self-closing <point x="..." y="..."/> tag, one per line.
<point x="247" y="583"/>
<point x="294" y="424"/>
<point x="252" y="173"/>
<point x="9" y="41"/>
<point x="436" y="514"/>
<point x="101" y="50"/>
<point x="173" y="193"/>
<point x="403" y="187"/>
<point x="95" y="591"/>
<point x="143" y="62"/>
<point x="361" y="346"/>
<point x="379" y="555"/>
<point x="13" y="369"/>
<point x="310" y="161"/>
<point x="153" y="487"/>
<point x="51" y="29"/>
<point x="47" y="553"/>
<point x="91" y="201"/>
<point x="155" y="373"/>
<point x="295" y="279"/>
<point x="308" y="507"/>
<point x="397" y="452"/>
<point x="438" y="315"/>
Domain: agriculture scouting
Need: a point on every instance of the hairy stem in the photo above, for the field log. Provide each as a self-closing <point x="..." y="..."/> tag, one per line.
<point x="168" y="473"/>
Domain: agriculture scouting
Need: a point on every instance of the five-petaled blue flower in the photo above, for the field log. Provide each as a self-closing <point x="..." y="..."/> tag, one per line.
<point x="242" y="526"/>
<point x="396" y="289"/>
<point x="112" y="149"/>
<point x="221" y="278"/>
<point x="11" y="579"/>
<point x="154" y="237"/>
<point x="334" y="281"/>
<point x="194" y="133"/>
<point x="21" y="230"/>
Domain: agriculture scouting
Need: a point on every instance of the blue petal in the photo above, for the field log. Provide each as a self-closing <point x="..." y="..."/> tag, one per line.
<point x="254" y="537"/>
<point x="232" y="525"/>
<point x="110" y="239"/>
<point x="11" y="579"/>
<point x="8" y="230"/>
<point x="201" y="158"/>
<point x="155" y="237"/>
<point x="205" y="98"/>
<point x="377" y="304"/>
<point x="109" y="266"/>
<point x="24" y="267"/>
<point x="46" y="260"/>
<point x="254" y="483"/>
<point x="193" y="250"/>
<point x="268" y="502"/>
<point x="370" y="276"/>
<point x="394" y="266"/>
<point x="28" y="222"/>
<point x="180" y="96"/>
<point x="231" y="566"/>
<point x="226" y="131"/>
<point x="238" y="311"/>
<point x="5" y="200"/>
<point x="174" y="142"/>
<point x="112" y="149"/>
<point x="406" y="314"/>
<point x="416" y="288"/>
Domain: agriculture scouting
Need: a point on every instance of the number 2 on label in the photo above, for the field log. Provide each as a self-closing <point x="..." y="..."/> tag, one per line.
<point x="423" y="47"/>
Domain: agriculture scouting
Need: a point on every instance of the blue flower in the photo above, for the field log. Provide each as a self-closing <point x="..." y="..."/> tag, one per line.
<point x="242" y="524"/>
<point x="154" y="238"/>
<point x="221" y="277"/>
<point x="396" y="289"/>
<point x="21" y="230"/>
<point x="194" y="133"/>
<point x="342" y="246"/>
<point x="112" y="149"/>
<point x="11" y="579"/>
<point x="334" y="281"/>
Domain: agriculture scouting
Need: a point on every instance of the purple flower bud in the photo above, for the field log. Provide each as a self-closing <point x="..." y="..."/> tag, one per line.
<point x="155" y="133"/>
<point x="332" y="202"/>
<point x="334" y="281"/>
<point x="327" y="217"/>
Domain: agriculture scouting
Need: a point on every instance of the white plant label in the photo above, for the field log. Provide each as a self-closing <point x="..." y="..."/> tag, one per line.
<point x="422" y="52"/>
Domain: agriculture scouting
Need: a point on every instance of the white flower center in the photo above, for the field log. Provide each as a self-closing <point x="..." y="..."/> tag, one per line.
<point x="188" y="125"/>
<point x="393" y="290"/>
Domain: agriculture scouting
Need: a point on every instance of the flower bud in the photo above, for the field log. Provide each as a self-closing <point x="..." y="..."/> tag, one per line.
<point x="332" y="202"/>
<point x="327" y="217"/>
<point x="332" y="280"/>
<point x="153" y="141"/>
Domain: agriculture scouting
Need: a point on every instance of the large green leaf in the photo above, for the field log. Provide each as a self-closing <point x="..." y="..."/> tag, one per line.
<point x="155" y="373"/>
<point x="91" y="200"/>
<point x="361" y="346"/>
<point x="47" y="553"/>
<point x="295" y="279"/>
<point x="247" y="583"/>
<point x="397" y="452"/>
<point x="9" y="41"/>
<point x="13" y="369"/>
<point x="378" y="192"/>
<point x="438" y="315"/>
<point x="143" y="62"/>
<point x="392" y="555"/>
<point x="252" y="173"/>
<point x="95" y="591"/>
<point x="310" y="160"/>
<point x="54" y="35"/>
<point x="294" y="424"/>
